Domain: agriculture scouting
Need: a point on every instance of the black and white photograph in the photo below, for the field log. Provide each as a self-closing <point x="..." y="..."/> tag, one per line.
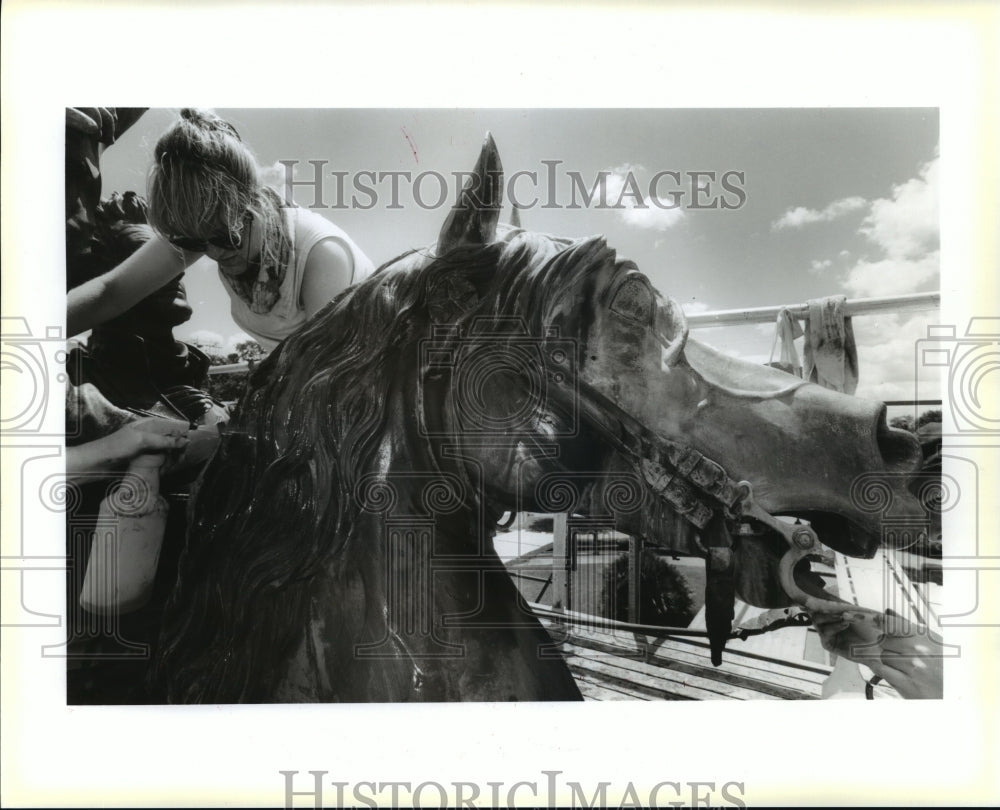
<point x="334" y="421"/>
<point x="501" y="465"/>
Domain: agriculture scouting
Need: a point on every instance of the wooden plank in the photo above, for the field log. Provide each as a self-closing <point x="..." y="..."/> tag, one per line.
<point x="759" y="684"/>
<point x="655" y="684"/>
<point x="622" y="688"/>
<point x="803" y="671"/>
<point x="666" y="678"/>
<point x="592" y="690"/>
<point x="671" y="652"/>
<point x="763" y="683"/>
<point x="629" y="689"/>
<point x="666" y="652"/>
<point x="727" y="681"/>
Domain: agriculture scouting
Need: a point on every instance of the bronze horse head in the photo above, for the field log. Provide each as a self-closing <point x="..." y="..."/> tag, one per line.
<point x="341" y="541"/>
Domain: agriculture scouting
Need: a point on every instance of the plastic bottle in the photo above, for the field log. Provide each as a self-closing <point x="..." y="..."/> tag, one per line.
<point x="127" y="541"/>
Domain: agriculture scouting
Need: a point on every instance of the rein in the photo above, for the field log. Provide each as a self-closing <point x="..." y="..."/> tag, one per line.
<point x="764" y="623"/>
<point x="696" y="487"/>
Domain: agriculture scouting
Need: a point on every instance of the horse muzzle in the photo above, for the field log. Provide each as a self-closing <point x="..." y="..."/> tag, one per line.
<point x="826" y="457"/>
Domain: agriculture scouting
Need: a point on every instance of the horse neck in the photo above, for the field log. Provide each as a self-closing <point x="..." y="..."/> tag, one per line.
<point x="421" y="607"/>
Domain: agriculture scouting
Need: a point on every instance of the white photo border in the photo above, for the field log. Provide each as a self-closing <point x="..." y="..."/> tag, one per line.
<point x="411" y="55"/>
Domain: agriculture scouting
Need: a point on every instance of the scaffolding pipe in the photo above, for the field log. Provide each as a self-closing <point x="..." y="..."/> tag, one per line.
<point x="916" y="302"/>
<point x="858" y="306"/>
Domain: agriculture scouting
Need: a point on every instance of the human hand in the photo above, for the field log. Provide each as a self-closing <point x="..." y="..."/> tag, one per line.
<point x="151" y="435"/>
<point x="109" y="455"/>
<point x="910" y="660"/>
<point x="202" y="444"/>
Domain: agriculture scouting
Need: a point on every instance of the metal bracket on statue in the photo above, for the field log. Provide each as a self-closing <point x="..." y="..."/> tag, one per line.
<point x="803" y="542"/>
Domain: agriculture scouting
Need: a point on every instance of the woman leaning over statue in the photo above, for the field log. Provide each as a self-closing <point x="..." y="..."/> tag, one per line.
<point x="280" y="264"/>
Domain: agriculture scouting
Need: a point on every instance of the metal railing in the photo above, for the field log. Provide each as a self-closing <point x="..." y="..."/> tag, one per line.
<point x="856" y="306"/>
<point x="736" y="317"/>
<point x="229" y="368"/>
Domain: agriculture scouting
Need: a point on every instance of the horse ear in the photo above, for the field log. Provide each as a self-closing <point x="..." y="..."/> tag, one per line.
<point x="473" y="220"/>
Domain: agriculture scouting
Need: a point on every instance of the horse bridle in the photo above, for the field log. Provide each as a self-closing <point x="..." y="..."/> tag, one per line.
<point x="699" y="489"/>
<point x="692" y="485"/>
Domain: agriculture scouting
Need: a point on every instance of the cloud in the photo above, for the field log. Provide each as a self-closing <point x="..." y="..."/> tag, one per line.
<point x="819" y="268"/>
<point x="239" y="337"/>
<point x="638" y="210"/>
<point x="887" y="360"/>
<point x="274" y="176"/>
<point x="892" y="276"/>
<point x="905" y="225"/>
<point x="901" y="230"/>
<point x="213" y="343"/>
<point x="654" y="218"/>
<point x="797" y="217"/>
<point x="695" y="307"/>
<point x="203" y="338"/>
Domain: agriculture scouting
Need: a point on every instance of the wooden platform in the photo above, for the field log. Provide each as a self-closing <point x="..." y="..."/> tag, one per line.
<point x="784" y="664"/>
<point x="882" y="582"/>
<point x="630" y="666"/>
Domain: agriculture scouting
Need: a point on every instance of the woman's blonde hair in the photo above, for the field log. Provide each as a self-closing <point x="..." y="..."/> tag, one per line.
<point x="203" y="175"/>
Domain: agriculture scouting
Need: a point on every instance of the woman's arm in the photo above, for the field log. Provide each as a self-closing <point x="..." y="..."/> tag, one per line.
<point x="329" y="271"/>
<point x="118" y="290"/>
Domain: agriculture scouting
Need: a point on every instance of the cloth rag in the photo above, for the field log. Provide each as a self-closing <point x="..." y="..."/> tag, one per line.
<point x="830" y="355"/>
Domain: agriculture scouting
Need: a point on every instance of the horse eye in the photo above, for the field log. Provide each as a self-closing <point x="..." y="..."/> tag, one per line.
<point x="634" y="300"/>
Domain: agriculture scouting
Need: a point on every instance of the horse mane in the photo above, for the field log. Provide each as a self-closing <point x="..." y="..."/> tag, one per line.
<point x="276" y="503"/>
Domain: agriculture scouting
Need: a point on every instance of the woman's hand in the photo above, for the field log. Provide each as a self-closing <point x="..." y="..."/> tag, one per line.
<point x="112" y="453"/>
<point x="909" y="660"/>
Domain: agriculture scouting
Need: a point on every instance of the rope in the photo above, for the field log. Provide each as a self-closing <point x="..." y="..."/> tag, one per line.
<point x="587" y="620"/>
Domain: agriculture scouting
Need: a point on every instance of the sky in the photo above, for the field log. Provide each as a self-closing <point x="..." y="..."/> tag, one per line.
<point x="825" y="202"/>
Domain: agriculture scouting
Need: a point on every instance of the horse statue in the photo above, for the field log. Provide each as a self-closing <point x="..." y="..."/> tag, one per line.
<point x="340" y="543"/>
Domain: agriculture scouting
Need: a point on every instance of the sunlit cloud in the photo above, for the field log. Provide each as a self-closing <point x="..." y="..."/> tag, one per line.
<point x="638" y="210"/>
<point x="892" y="276"/>
<point x="797" y="217"/>
<point x="819" y="268"/>
<point x="205" y="338"/>
<point x="888" y="359"/>
<point x="905" y="225"/>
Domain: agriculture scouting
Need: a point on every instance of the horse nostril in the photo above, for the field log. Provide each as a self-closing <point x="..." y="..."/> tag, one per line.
<point x="900" y="449"/>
